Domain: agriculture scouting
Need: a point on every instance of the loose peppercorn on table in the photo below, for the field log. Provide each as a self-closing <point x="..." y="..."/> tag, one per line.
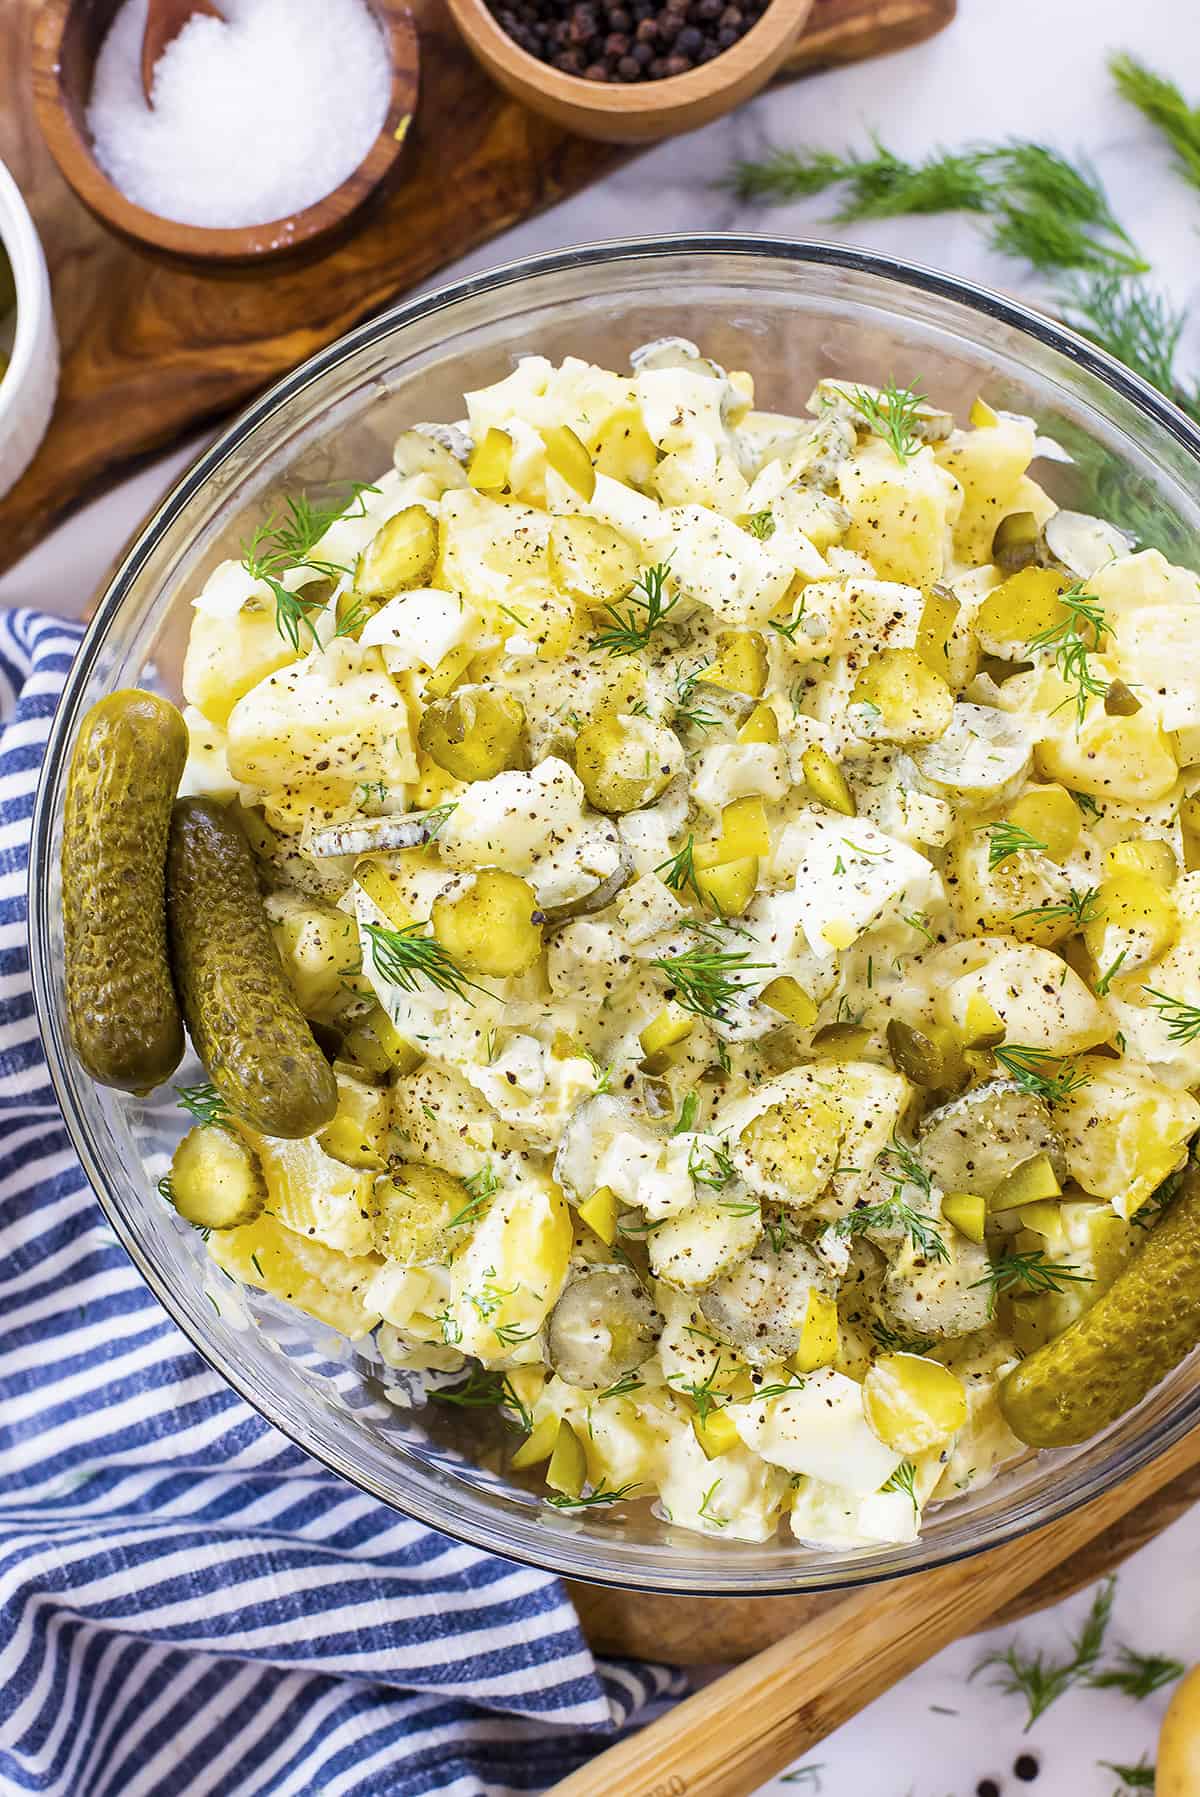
<point x="738" y="872"/>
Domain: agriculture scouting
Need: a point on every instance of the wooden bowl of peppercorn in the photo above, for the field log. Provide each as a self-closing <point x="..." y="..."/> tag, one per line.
<point x="631" y="71"/>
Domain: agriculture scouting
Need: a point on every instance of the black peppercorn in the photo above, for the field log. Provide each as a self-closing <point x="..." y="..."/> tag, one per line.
<point x="625" y="40"/>
<point x="987" y="1787"/>
<point x="1026" y="1768"/>
<point x="643" y="55"/>
<point x="629" y="69"/>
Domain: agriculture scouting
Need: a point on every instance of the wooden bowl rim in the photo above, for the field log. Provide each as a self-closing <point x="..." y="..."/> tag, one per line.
<point x="767" y="38"/>
<point x="240" y="243"/>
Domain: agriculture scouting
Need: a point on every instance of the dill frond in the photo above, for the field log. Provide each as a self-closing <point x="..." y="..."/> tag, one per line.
<point x="1160" y="101"/>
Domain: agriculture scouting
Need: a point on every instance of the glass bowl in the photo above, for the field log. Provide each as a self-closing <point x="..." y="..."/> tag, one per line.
<point x="786" y="311"/>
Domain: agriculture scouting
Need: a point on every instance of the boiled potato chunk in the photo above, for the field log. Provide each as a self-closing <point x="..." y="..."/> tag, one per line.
<point x="1094" y="1243"/>
<point x="1136" y="923"/>
<point x="913" y="1404"/>
<point x="315" y="1195"/>
<point x="486" y="923"/>
<point x="901" y="699"/>
<point x="356" y="1136"/>
<point x="507" y="1279"/>
<point x="327" y="718"/>
<point x="1128" y="759"/>
<point x="626" y="762"/>
<point x="475" y="734"/>
<point x="399" y="556"/>
<point x="898" y="512"/>
<point x="1124" y="1132"/>
<point x="988" y="464"/>
<point x="591" y="561"/>
<point x="302" y="1271"/>
<point x="319" y="949"/>
<point x="1041" y="1001"/>
<point x="227" y="656"/>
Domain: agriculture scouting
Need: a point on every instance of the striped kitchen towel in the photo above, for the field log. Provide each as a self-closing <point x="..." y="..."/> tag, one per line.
<point x="187" y="1602"/>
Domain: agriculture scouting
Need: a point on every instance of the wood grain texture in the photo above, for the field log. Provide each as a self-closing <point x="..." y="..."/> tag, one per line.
<point x="697" y="1631"/>
<point x="748" y="1725"/>
<point x="150" y="350"/>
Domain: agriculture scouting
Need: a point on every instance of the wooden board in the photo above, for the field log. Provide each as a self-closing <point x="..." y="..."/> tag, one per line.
<point x="694" y="1631"/>
<point x="150" y="350"/>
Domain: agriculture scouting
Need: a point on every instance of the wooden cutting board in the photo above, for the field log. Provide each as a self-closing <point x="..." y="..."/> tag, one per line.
<point x="150" y="351"/>
<point x="697" y="1631"/>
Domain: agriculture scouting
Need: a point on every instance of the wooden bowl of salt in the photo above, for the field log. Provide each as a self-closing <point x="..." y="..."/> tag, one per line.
<point x="267" y="133"/>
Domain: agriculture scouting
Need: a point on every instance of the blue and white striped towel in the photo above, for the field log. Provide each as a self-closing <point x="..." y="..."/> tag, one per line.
<point x="187" y="1602"/>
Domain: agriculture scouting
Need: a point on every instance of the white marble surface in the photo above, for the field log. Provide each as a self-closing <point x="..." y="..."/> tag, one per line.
<point x="1031" y="68"/>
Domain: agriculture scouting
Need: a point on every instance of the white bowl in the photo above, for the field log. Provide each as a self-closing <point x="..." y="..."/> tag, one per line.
<point x="29" y="385"/>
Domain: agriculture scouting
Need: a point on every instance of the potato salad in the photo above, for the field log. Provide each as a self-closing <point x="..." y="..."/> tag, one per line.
<point x="737" y="868"/>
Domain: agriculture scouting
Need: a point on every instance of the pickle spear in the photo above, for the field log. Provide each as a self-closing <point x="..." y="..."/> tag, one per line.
<point x="245" y="1025"/>
<point x="1113" y="1354"/>
<point x="121" y="1007"/>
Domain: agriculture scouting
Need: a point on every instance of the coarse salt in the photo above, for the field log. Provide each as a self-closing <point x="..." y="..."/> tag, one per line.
<point x="254" y="118"/>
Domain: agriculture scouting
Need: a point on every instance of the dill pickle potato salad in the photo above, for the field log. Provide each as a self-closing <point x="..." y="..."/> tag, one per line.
<point x="686" y="916"/>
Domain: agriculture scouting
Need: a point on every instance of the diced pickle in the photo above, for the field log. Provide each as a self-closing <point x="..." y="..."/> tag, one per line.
<point x="788" y="997"/>
<point x="762" y="726"/>
<point x="491" y="461"/>
<point x="626" y="762"/>
<point x="1120" y="701"/>
<point x="475" y="734"/>
<point x="600" y="1213"/>
<point x="939" y="614"/>
<point x="729" y="887"/>
<point x="913" y="1404"/>
<point x="818" y="1333"/>
<point x="900" y="699"/>
<point x="741" y="663"/>
<point x="538" y="1445"/>
<point x="826" y="781"/>
<point x="376" y="1045"/>
<point x="928" y="1057"/>
<point x="414" y="1205"/>
<point x="673" y="1024"/>
<point x="603" y="1325"/>
<point x="966" y="1212"/>
<point x="841" y="1042"/>
<point x="1016" y="542"/>
<point x="485" y="921"/>
<point x="399" y="556"/>
<point x="716" y="1432"/>
<point x="569" y="459"/>
<point x="216" y="1181"/>
<point x="982" y="1026"/>
<point x="1032" y="1180"/>
<point x="744" y="829"/>
<point x="1051" y="816"/>
<point x="590" y="560"/>
<point x="567" y="1471"/>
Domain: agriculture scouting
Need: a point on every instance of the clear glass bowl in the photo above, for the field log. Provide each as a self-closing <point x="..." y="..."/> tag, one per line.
<point x="787" y="311"/>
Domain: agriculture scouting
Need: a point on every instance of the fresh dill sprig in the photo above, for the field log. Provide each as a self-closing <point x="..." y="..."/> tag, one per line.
<point x="1042" y="1683"/>
<point x="679" y="870"/>
<point x="896" y="1213"/>
<point x="1026" y="1273"/>
<point x="601" y="1495"/>
<point x="1138" y="325"/>
<point x="1037" y="202"/>
<point x="1141" y="1777"/>
<point x="686" y="712"/>
<point x="1068" y="640"/>
<point x="710" y="1515"/>
<point x="712" y="1167"/>
<point x="761" y="524"/>
<point x="1109" y="975"/>
<point x="686" y="1120"/>
<point x="287" y="541"/>
<point x="904" y="1479"/>
<point x="1160" y="101"/>
<point x="709" y="977"/>
<point x="203" y="1103"/>
<point x="406" y="957"/>
<point x="631" y="630"/>
<point x="1138" y="1675"/>
<point x="1038" y="1071"/>
<point x="1088" y="805"/>
<point x="165" y="1189"/>
<point x="627" y="1383"/>
<point x="704" y="1393"/>
<point x="483" y="1390"/>
<point x="1183" y="1020"/>
<point x="805" y="1775"/>
<point x="891" y="414"/>
<point x="1006" y="839"/>
<point x="1081" y="908"/>
<point x="791" y="626"/>
<point x="481" y="1187"/>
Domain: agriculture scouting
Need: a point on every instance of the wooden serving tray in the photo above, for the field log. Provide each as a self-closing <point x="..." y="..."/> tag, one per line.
<point x="697" y="1631"/>
<point x="151" y="350"/>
